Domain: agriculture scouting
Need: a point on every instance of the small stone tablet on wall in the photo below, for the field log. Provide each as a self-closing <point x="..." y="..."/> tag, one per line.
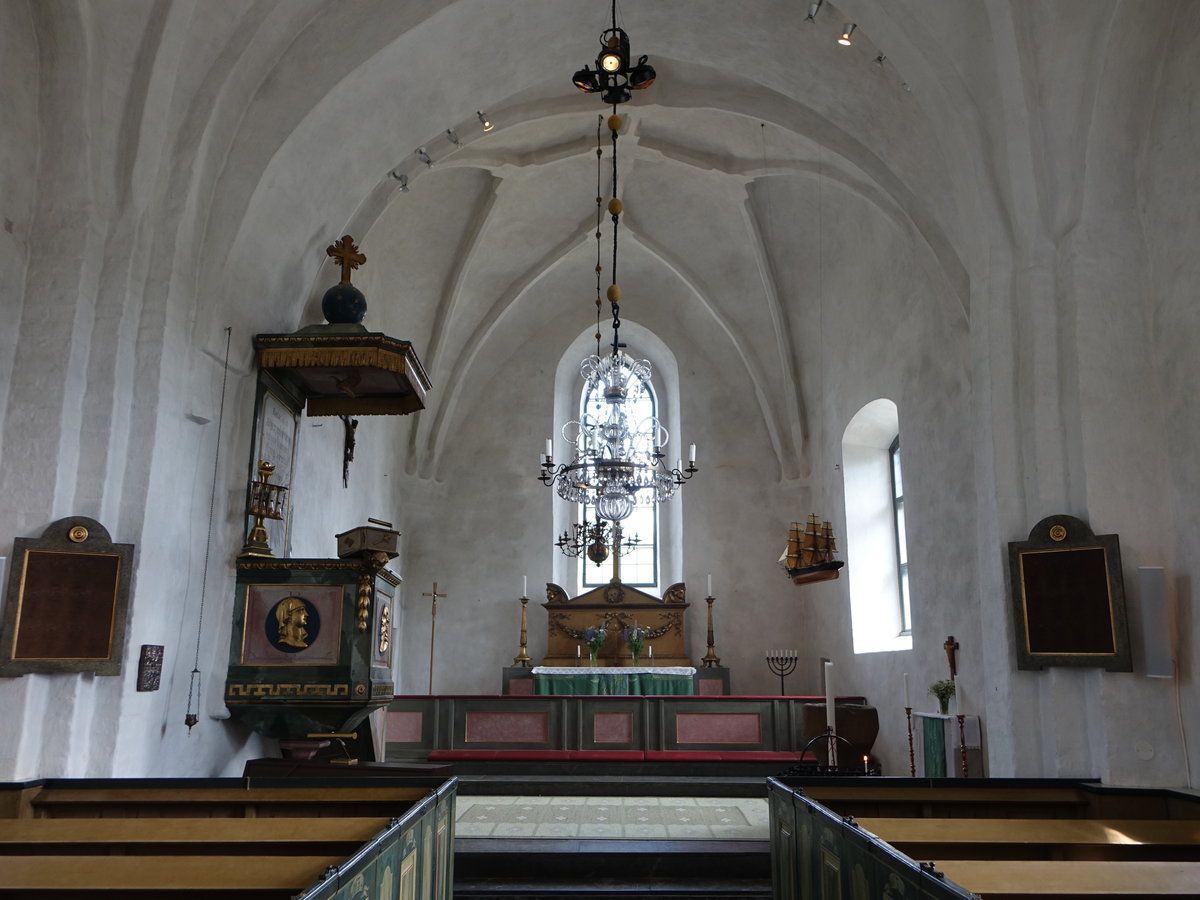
<point x="150" y="667"/>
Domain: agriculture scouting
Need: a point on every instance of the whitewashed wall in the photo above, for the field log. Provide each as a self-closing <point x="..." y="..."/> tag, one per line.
<point x="1006" y="251"/>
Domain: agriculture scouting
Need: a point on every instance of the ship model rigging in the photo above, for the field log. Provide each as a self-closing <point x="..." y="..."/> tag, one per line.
<point x="810" y="552"/>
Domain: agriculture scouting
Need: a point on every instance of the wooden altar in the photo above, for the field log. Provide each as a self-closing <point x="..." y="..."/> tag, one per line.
<point x="615" y="606"/>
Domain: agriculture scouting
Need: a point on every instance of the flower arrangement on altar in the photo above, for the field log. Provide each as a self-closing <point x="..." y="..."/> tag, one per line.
<point x="594" y="637"/>
<point x="635" y="636"/>
<point x="943" y="690"/>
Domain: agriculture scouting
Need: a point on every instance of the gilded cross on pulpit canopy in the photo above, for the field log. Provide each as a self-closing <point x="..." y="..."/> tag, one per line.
<point x="345" y="251"/>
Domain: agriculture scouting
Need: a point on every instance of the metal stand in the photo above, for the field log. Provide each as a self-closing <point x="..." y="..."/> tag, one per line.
<point x="962" y="744"/>
<point x="912" y="759"/>
<point x="522" y="658"/>
<point x="781" y="662"/>
<point x="710" y="658"/>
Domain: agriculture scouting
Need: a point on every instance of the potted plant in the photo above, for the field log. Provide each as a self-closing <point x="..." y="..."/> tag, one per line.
<point x="943" y="690"/>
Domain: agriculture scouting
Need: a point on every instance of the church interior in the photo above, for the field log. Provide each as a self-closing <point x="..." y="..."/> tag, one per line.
<point x="851" y="239"/>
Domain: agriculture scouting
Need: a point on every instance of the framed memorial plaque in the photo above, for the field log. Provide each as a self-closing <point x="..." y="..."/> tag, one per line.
<point x="67" y="601"/>
<point x="1068" y="597"/>
<point x="276" y="421"/>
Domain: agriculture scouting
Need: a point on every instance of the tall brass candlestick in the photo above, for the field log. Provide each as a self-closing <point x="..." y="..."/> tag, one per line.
<point x="522" y="658"/>
<point x="962" y="743"/>
<point x="710" y="659"/>
<point x="912" y="759"/>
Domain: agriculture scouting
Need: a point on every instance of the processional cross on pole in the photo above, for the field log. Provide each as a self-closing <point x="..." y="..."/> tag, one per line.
<point x="432" y="629"/>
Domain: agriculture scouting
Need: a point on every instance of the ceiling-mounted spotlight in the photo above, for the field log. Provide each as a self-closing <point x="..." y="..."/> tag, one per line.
<point x="484" y="121"/>
<point x="847" y="30"/>
<point x="613" y="74"/>
<point x="452" y="137"/>
<point x="879" y="60"/>
<point x="813" y="9"/>
<point x="424" y="157"/>
<point x="400" y="177"/>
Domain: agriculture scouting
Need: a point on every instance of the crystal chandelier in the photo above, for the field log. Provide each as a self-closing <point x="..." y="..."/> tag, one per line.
<point x="617" y="456"/>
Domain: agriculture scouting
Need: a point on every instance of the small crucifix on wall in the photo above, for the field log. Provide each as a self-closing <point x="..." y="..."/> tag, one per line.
<point x="349" y="425"/>
<point x="951" y="647"/>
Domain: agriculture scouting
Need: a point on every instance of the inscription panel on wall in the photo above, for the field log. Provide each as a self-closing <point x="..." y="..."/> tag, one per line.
<point x="68" y="592"/>
<point x="1068" y="597"/>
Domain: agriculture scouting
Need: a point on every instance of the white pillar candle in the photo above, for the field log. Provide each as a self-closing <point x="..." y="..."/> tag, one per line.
<point x="830" y="719"/>
<point x="549" y="447"/>
<point x="957" y="699"/>
<point x="578" y="651"/>
<point x="907" y="699"/>
<point x="692" y="454"/>
<point x="710" y="585"/>
<point x="650" y="649"/>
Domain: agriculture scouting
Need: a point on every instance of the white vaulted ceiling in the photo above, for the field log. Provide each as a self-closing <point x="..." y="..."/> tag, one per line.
<point x="745" y="170"/>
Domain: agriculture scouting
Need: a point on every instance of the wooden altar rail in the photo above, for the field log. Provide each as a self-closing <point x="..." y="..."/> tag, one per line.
<point x="416" y="726"/>
<point x="228" y="839"/>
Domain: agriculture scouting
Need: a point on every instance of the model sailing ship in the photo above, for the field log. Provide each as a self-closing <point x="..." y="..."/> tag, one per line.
<point x="809" y="556"/>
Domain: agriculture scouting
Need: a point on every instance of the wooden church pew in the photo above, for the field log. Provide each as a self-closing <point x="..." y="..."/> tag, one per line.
<point x="300" y="837"/>
<point x="1009" y="879"/>
<point x="207" y="875"/>
<point x="61" y="802"/>
<point x="217" y="838"/>
<point x="1093" y="839"/>
<point x="874" y="800"/>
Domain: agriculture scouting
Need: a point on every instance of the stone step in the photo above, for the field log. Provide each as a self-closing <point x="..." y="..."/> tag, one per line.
<point x="498" y="868"/>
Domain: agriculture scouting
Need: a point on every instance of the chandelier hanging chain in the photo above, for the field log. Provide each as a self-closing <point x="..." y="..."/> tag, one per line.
<point x="617" y="460"/>
<point x="599" y="220"/>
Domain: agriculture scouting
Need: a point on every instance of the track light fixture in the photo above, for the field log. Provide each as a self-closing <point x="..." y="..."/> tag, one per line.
<point x="400" y="177"/>
<point x="424" y="157"/>
<point x="813" y="9"/>
<point x="879" y="60"/>
<point x="484" y="121"/>
<point x="847" y="30"/>
<point x="452" y="137"/>
<point x="614" y="76"/>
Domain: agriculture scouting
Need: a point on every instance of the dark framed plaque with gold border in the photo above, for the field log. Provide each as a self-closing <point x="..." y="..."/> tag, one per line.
<point x="1068" y="597"/>
<point x="67" y="601"/>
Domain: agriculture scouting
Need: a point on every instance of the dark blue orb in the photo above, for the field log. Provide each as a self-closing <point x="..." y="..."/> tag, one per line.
<point x="344" y="304"/>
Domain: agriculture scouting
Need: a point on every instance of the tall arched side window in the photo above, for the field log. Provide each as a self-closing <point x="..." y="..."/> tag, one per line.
<point x="876" y="541"/>
<point x="667" y="555"/>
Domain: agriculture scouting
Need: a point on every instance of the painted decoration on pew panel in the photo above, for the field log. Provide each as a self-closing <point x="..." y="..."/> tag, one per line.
<point x="291" y="625"/>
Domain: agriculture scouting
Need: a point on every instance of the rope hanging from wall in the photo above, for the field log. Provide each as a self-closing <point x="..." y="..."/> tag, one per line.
<point x="194" y="678"/>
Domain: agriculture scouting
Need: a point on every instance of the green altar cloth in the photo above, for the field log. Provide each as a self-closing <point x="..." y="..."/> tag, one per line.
<point x="614" y="680"/>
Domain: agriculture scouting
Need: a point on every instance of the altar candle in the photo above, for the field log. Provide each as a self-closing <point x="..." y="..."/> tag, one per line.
<point x="866" y="770"/>
<point x="710" y="585"/>
<point x="907" y="699"/>
<point x="830" y="721"/>
<point x="578" y="651"/>
<point x="524" y="585"/>
<point x="651" y="651"/>
<point x="957" y="699"/>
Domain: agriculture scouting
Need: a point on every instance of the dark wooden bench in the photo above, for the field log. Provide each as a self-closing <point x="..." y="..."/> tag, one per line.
<point x="1115" y="839"/>
<point x="154" y="835"/>
<point x="120" y="802"/>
